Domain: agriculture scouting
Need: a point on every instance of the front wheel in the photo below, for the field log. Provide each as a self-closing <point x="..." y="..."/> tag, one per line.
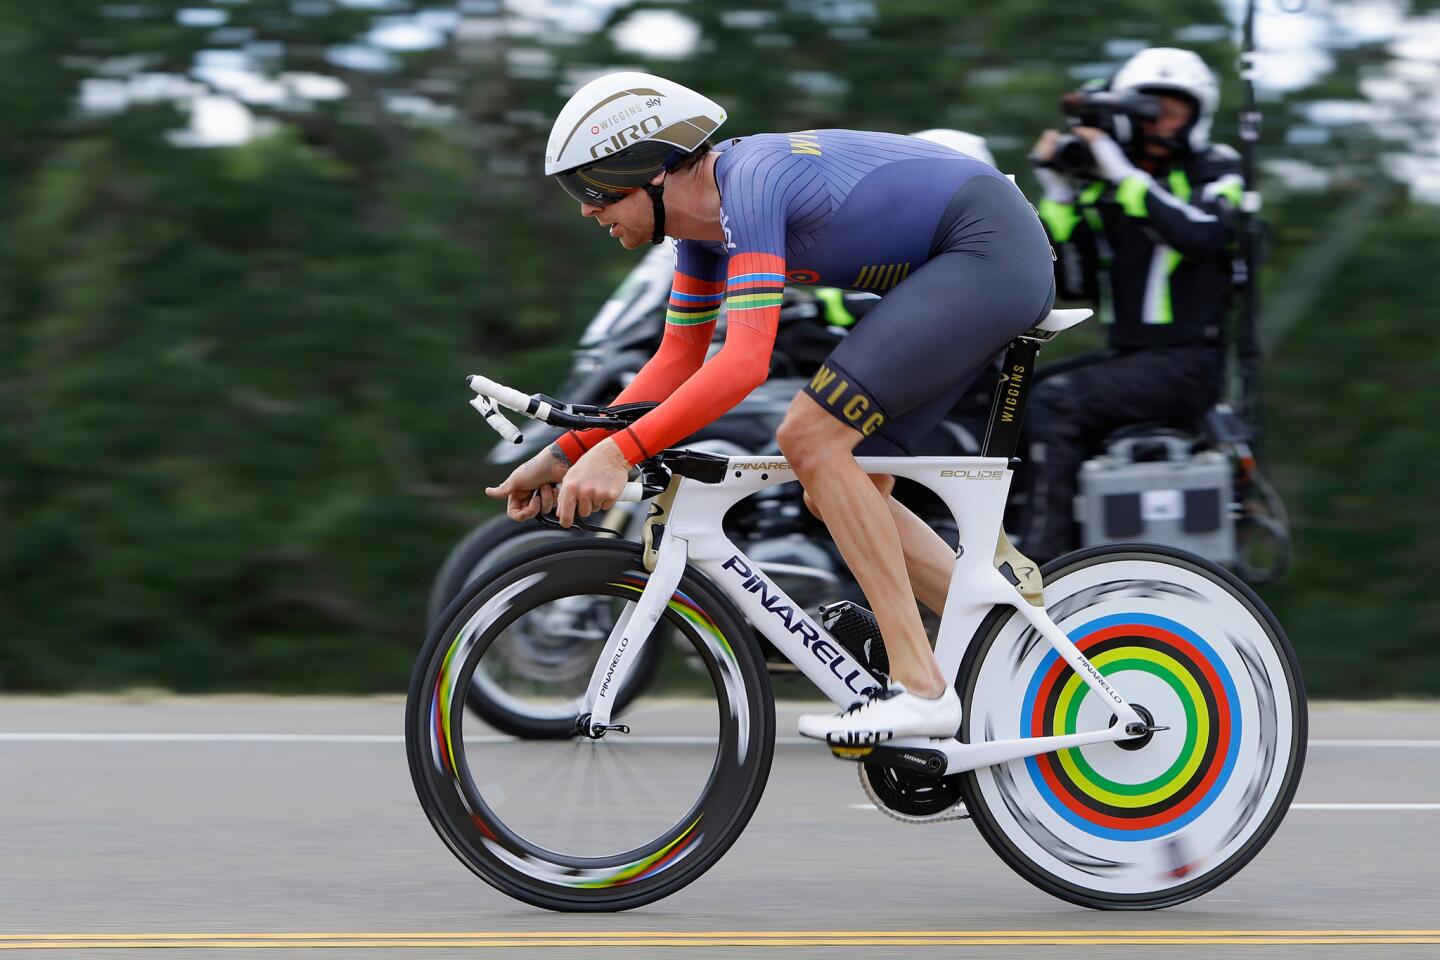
<point x="1138" y="824"/>
<point x="534" y="675"/>
<point x="582" y="824"/>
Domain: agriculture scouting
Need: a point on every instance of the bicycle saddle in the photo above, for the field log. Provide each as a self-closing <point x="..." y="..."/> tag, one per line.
<point x="1063" y="320"/>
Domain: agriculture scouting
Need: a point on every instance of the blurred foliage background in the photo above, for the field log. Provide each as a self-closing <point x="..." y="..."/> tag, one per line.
<point x="249" y="248"/>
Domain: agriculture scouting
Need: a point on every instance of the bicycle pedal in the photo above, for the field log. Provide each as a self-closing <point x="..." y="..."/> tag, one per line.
<point x="858" y="632"/>
<point x="850" y="753"/>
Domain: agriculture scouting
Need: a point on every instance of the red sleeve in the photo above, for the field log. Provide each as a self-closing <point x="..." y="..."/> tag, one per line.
<point x="754" y="288"/>
<point x="689" y="326"/>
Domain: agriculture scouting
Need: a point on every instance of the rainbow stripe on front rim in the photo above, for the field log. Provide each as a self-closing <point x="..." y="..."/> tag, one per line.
<point x="1211" y="726"/>
<point x="574" y="877"/>
<point x="687" y="609"/>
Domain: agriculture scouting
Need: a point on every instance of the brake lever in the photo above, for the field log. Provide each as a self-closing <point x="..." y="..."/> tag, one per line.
<point x="551" y="520"/>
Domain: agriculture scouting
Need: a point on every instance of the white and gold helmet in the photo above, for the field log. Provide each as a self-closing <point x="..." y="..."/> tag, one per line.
<point x="621" y="129"/>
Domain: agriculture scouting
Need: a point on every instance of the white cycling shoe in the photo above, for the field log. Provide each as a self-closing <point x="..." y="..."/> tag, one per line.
<point x="891" y="713"/>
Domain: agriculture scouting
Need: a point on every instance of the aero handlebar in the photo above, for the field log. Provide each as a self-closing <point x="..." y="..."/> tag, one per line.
<point x="492" y="396"/>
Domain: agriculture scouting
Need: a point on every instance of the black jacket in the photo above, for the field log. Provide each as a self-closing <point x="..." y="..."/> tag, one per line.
<point x="1155" y="252"/>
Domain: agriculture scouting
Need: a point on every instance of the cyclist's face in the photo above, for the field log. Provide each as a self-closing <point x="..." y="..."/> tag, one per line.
<point x="631" y="220"/>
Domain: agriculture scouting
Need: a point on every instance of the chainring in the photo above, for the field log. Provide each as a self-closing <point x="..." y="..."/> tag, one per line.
<point x="911" y="798"/>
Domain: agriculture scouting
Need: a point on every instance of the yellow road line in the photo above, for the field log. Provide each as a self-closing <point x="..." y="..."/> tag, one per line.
<point x="590" y="934"/>
<point x="713" y="944"/>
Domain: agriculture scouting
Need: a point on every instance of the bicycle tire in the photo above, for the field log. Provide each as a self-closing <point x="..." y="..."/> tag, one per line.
<point x="539" y="875"/>
<point x="501" y="540"/>
<point x="1086" y="825"/>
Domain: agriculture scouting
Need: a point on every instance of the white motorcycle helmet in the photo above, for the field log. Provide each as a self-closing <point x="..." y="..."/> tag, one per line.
<point x="1168" y="70"/>
<point x="970" y="144"/>
<point x="621" y="129"/>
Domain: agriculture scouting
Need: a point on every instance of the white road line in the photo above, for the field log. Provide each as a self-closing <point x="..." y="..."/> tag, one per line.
<point x="169" y="737"/>
<point x="1430" y="744"/>
<point x="1365" y="806"/>
<point x="492" y="738"/>
<point x="1293" y="806"/>
<point x="45" y="737"/>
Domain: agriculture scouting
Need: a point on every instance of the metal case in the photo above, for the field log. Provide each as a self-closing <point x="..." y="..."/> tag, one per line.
<point x="1153" y="488"/>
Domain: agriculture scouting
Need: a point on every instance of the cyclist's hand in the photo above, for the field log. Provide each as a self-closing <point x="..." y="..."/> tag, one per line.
<point x="530" y="489"/>
<point x="594" y="483"/>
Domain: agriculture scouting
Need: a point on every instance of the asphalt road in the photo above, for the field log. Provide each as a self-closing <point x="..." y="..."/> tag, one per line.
<point x="230" y="826"/>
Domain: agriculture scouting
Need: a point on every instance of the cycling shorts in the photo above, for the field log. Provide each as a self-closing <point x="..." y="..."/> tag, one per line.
<point x="990" y="277"/>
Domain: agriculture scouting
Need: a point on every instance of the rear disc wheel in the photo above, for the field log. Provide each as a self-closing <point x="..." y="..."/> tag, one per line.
<point x="1141" y="824"/>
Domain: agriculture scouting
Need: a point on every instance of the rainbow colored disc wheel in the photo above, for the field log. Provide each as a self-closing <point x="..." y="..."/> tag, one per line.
<point x="1138" y="824"/>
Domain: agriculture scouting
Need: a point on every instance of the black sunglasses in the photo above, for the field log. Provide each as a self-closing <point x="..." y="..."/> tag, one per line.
<point x="611" y="179"/>
<point x="585" y="187"/>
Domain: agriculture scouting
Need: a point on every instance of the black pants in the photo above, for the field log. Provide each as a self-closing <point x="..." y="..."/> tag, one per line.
<point x="1077" y="403"/>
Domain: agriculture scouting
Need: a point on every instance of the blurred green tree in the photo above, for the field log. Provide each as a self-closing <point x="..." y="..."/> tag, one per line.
<point x="234" y="445"/>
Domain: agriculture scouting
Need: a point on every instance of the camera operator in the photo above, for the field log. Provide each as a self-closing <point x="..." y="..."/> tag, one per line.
<point x="1143" y="212"/>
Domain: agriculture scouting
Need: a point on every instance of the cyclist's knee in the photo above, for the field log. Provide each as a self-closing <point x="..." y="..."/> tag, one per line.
<point x="809" y="436"/>
<point x="795" y="437"/>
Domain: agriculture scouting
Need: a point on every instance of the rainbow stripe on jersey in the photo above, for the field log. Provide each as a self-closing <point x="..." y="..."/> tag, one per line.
<point x="755" y="283"/>
<point x="694" y="301"/>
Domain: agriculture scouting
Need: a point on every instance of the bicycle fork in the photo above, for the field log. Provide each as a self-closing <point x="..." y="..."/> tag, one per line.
<point x="629" y="635"/>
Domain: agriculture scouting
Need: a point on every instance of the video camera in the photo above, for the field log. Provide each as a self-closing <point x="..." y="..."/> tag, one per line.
<point x="1118" y="114"/>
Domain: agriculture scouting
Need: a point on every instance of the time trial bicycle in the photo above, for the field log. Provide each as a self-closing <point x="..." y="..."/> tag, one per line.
<point x="1129" y="740"/>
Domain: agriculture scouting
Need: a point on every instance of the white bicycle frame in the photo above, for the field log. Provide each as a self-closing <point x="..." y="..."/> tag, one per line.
<point x="974" y="488"/>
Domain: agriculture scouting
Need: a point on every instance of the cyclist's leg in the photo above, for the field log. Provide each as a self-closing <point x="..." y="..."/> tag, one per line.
<point x="819" y="450"/>
<point x="929" y="560"/>
<point x="926" y="340"/>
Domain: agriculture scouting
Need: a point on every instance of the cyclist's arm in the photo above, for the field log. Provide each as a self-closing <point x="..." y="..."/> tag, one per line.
<point x="754" y="287"/>
<point x="695" y="298"/>
<point x="758" y="191"/>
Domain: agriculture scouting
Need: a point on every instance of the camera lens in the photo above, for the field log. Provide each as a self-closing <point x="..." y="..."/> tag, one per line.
<point x="1074" y="154"/>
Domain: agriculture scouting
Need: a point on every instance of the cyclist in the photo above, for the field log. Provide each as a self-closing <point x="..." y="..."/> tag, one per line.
<point x="959" y="256"/>
<point x="1156" y="220"/>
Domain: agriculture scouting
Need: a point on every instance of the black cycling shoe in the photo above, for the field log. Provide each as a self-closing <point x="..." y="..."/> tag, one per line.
<point x="858" y="632"/>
